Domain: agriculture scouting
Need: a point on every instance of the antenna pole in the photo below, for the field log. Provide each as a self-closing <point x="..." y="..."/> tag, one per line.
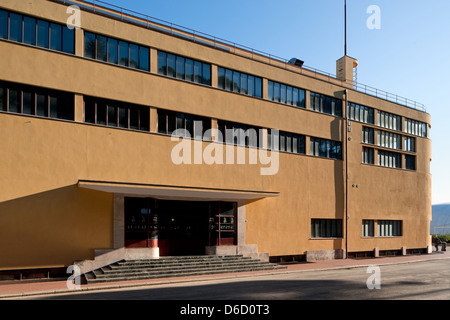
<point x="345" y="28"/>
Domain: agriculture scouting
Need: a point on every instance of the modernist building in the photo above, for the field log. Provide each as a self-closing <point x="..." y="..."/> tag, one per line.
<point x="275" y="160"/>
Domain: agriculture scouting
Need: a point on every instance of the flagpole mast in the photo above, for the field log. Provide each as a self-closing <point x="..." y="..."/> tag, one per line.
<point x="345" y="28"/>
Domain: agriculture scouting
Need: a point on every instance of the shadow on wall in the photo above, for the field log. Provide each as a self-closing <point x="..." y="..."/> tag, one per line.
<point x="54" y="228"/>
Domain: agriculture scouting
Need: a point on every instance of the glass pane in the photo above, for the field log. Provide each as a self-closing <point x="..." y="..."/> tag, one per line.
<point x="66" y="105"/>
<point x="236" y="81"/>
<point x="42" y="34"/>
<point x="171" y="65"/>
<point x="244" y="83"/>
<point x="55" y="36"/>
<point x="221" y="78"/>
<point x="228" y="79"/>
<point x="162" y="122"/>
<point x="41" y="105"/>
<point x="270" y="90"/>
<point x="29" y="30"/>
<point x="28" y="103"/>
<point x="68" y="40"/>
<point x="134" y="56"/>
<point x="89" y="45"/>
<point x="258" y="87"/>
<point x="134" y="118"/>
<point x="283" y="93"/>
<point x="206" y="74"/>
<point x="101" y="113"/>
<point x="123" y="117"/>
<point x="144" y="119"/>
<point x="101" y="48"/>
<point x="112" y="116"/>
<point x="251" y="85"/>
<point x="15" y="27"/>
<point x="14" y="101"/>
<point x="89" y="111"/>
<point x="2" y="99"/>
<point x="123" y="53"/>
<point x="170" y="123"/>
<point x="162" y="63"/>
<point x="189" y="70"/>
<point x="54" y="110"/>
<point x="3" y="24"/>
<point x="198" y="72"/>
<point x="144" y="58"/>
<point x="180" y="68"/>
<point x="112" y="51"/>
<point x="276" y="92"/>
<point x="289" y="95"/>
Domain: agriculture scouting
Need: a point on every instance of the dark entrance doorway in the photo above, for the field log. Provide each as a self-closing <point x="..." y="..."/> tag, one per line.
<point x="179" y="227"/>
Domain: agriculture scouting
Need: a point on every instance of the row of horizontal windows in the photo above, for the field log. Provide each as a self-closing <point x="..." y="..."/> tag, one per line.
<point x="326" y="228"/>
<point x="184" y="68"/>
<point x="187" y="125"/>
<point x="36" y="101"/>
<point x="239" y="82"/>
<point x="360" y="113"/>
<point x="286" y="141"/>
<point x="416" y="128"/>
<point x="325" y="148"/>
<point x="389" y="121"/>
<point x="116" y="51"/>
<point x="388" y="139"/>
<point x="36" y="32"/>
<point x="388" y="159"/>
<point x="325" y="104"/>
<point x="240" y="134"/>
<point x="385" y="228"/>
<point x="279" y="92"/>
<point x="116" y="114"/>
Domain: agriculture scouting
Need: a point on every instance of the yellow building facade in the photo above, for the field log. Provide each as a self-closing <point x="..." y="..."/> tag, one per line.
<point x="276" y="160"/>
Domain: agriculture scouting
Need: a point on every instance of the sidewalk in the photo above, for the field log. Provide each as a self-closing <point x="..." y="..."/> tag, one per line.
<point x="15" y="289"/>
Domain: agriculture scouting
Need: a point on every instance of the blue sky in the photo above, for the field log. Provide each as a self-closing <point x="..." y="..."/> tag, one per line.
<point x="408" y="56"/>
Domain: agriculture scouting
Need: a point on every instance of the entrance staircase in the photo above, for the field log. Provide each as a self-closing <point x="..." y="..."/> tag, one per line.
<point x="176" y="267"/>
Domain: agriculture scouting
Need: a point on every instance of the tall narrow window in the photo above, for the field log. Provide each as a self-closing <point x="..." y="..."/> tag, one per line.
<point x="89" y="45"/>
<point x="14" y="101"/>
<point x="123" y="54"/>
<point x="42" y="34"/>
<point x="144" y="58"/>
<point x="15" y="27"/>
<point x="113" y="47"/>
<point x="2" y="98"/>
<point x="28" y="102"/>
<point x="68" y="44"/>
<point x="368" y="228"/>
<point x="29" y="30"/>
<point x="101" y="48"/>
<point x="3" y="24"/>
<point x="134" y="56"/>
<point x="55" y="36"/>
<point x="162" y="63"/>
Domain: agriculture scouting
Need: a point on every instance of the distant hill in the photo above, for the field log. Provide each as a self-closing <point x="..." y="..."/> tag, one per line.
<point x="441" y="217"/>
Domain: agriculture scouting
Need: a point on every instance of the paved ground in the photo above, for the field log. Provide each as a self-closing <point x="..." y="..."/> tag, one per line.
<point x="14" y="290"/>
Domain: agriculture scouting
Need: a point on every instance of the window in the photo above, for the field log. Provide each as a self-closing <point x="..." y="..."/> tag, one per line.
<point x="325" y="148"/>
<point x="116" y="114"/>
<point x="29" y="30"/>
<point x="36" y="101"/>
<point x="116" y="51"/>
<point x="389" y="228"/>
<point x="410" y="162"/>
<point x="389" y="140"/>
<point x="183" y="68"/>
<point x="285" y="141"/>
<point x="410" y="144"/>
<point x="367" y="155"/>
<point x="325" y="104"/>
<point x="3" y="24"/>
<point x="239" y="82"/>
<point x="15" y="27"/>
<point x="286" y="94"/>
<point x="360" y="113"/>
<point x="367" y="135"/>
<point x="55" y="36"/>
<point x="368" y="228"/>
<point x="389" y="121"/>
<point x="195" y="127"/>
<point x="416" y="128"/>
<point x="42" y="34"/>
<point x="239" y="134"/>
<point x="326" y="228"/>
<point x="389" y="159"/>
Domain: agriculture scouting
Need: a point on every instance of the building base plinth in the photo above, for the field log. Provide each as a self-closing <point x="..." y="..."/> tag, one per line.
<point x="316" y="255"/>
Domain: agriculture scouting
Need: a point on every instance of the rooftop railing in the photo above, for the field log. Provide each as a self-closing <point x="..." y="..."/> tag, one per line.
<point x="143" y="20"/>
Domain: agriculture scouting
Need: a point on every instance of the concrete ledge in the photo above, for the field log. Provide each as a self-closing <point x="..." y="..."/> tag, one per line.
<point x="245" y="250"/>
<point x="316" y="255"/>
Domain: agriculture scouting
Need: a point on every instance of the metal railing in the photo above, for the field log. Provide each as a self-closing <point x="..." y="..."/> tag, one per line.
<point x="143" y="20"/>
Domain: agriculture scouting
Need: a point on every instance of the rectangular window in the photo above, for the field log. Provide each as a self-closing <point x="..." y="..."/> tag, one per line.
<point x="14" y="101"/>
<point x="360" y="113"/>
<point x="162" y="63"/>
<point x="42" y="34"/>
<point x="29" y="30"/>
<point x="55" y="36"/>
<point x="368" y="228"/>
<point x="28" y="102"/>
<point x="171" y="65"/>
<point x="325" y="148"/>
<point x="189" y="70"/>
<point x="239" y="82"/>
<point x="181" y="68"/>
<point x="416" y="128"/>
<point x="195" y="126"/>
<point x="326" y="228"/>
<point x="2" y="98"/>
<point x="3" y="24"/>
<point x="367" y="155"/>
<point x="239" y="134"/>
<point x="389" y="228"/>
<point x="68" y="44"/>
<point x="389" y="159"/>
<point x="198" y="72"/>
<point x="89" y="45"/>
<point x="144" y="58"/>
<point x="124" y="58"/>
<point x="113" y="47"/>
<point x="221" y="78"/>
<point x="101" y="48"/>
<point x="134" y="56"/>
<point x="206" y="77"/>
<point x="367" y="135"/>
<point x="410" y="162"/>
<point x="15" y="27"/>
<point x="89" y="110"/>
<point x="325" y="104"/>
<point x="41" y="104"/>
<point x="389" y="121"/>
<point x="410" y="144"/>
<point x="389" y="140"/>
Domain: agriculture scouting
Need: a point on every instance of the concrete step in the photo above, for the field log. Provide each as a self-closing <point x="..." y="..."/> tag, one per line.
<point x="177" y="267"/>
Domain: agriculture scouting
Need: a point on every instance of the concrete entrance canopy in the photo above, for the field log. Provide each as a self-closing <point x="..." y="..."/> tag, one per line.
<point x="174" y="192"/>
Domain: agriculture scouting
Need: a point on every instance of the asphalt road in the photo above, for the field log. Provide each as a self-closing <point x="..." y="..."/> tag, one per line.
<point x="427" y="280"/>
